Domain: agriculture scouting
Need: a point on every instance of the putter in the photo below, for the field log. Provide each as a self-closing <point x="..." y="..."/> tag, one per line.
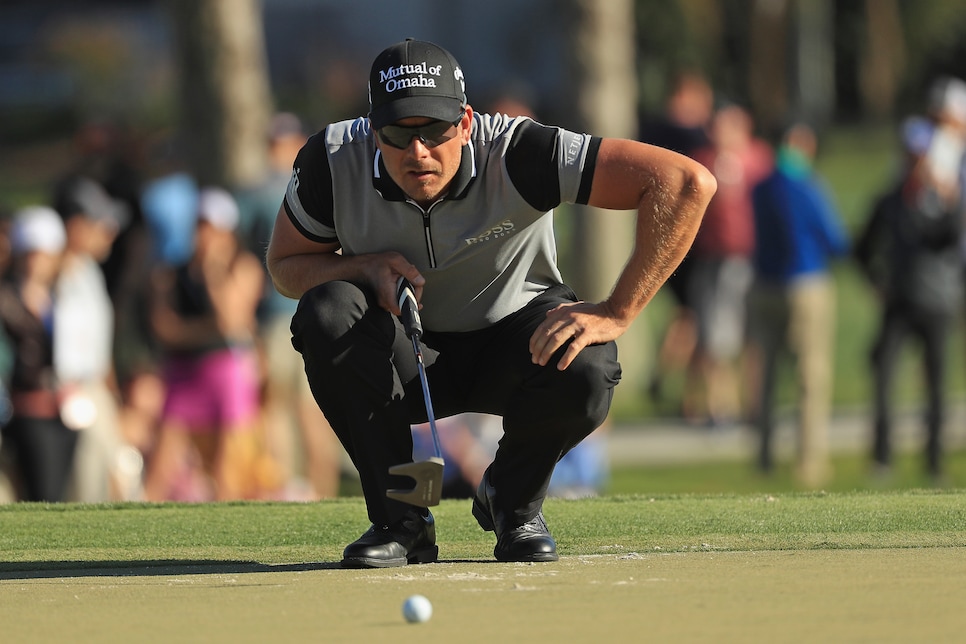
<point x="428" y="474"/>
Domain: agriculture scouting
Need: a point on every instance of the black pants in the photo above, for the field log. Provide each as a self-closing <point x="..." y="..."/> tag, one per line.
<point x="363" y="374"/>
<point x="44" y="453"/>
<point x="932" y="329"/>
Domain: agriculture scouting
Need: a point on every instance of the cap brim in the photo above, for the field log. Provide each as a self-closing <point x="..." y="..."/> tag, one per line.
<point x="434" y="107"/>
<point x="115" y="214"/>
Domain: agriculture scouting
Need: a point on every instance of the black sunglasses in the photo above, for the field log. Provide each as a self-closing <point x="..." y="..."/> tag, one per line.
<point x="430" y="135"/>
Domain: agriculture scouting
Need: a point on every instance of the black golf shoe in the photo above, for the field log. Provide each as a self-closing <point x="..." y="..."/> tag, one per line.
<point x="528" y="542"/>
<point x="412" y="540"/>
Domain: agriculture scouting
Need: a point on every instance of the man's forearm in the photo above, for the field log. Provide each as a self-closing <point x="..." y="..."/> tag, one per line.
<point x="295" y="274"/>
<point x="666" y="227"/>
<point x="670" y="193"/>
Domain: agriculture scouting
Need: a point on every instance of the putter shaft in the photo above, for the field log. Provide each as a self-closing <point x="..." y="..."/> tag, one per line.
<point x="428" y="474"/>
<point x="429" y="402"/>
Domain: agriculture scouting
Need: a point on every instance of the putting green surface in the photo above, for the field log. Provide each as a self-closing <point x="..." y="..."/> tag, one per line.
<point x="870" y="595"/>
<point x="845" y="567"/>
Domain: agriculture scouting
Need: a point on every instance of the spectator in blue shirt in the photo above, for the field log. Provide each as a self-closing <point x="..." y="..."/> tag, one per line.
<point x="798" y="231"/>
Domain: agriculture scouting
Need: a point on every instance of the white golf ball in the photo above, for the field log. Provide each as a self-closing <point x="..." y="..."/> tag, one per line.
<point x="417" y="608"/>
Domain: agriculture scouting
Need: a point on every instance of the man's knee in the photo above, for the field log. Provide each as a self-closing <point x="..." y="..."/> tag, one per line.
<point x="589" y="382"/>
<point x="337" y="319"/>
<point x="328" y="310"/>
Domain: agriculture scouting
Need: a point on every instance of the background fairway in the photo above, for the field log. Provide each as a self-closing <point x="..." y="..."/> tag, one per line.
<point x="722" y="476"/>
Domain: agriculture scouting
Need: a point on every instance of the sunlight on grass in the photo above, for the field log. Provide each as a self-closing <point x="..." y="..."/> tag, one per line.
<point x="852" y="472"/>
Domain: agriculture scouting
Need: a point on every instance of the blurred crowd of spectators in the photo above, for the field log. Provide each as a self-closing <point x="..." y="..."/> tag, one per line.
<point x="145" y="352"/>
<point x="145" y="355"/>
<point x="756" y="286"/>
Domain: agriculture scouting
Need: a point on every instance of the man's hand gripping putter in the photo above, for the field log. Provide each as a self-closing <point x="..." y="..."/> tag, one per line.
<point x="428" y="474"/>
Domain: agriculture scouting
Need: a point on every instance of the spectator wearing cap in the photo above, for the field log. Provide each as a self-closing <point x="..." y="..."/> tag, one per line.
<point x="935" y="145"/>
<point x="296" y="431"/>
<point x="38" y="447"/>
<point x="105" y="468"/>
<point x="203" y="315"/>
<point x="910" y="250"/>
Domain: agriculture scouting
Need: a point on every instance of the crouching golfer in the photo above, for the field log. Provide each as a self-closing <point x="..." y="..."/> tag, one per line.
<point x="460" y="204"/>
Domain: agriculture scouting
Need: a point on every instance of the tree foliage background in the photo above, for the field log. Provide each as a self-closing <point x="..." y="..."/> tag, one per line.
<point x="73" y="58"/>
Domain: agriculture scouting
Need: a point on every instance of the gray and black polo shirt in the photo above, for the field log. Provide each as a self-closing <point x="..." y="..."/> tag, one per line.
<point x="487" y="248"/>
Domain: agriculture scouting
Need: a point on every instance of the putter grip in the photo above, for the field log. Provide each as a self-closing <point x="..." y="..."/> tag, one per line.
<point x="409" y="310"/>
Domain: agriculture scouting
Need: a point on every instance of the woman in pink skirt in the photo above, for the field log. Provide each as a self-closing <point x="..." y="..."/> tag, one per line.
<point x="203" y="316"/>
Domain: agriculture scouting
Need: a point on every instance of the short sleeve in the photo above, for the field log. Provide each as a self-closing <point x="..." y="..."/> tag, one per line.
<point x="551" y="165"/>
<point x="308" y="198"/>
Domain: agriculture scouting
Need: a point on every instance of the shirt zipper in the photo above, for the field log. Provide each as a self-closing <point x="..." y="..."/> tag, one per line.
<point x="427" y="235"/>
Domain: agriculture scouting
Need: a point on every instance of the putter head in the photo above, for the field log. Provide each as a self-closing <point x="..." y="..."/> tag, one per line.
<point x="428" y="476"/>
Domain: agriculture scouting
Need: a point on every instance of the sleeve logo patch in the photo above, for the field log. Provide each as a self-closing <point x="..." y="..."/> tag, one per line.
<point x="572" y="145"/>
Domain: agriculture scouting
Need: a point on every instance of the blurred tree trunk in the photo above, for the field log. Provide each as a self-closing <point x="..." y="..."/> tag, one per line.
<point x="225" y="95"/>
<point x="768" y="61"/>
<point x="792" y="62"/>
<point x="603" y="99"/>
<point x="814" y="60"/>
<point x="883" y="57"/>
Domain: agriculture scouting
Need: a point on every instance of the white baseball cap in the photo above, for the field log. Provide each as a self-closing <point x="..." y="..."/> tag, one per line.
<point x="947" y="99"/>
<point x="218" y="208"/>
<point x="83" y="196"/>
<point x="37" y="228"/>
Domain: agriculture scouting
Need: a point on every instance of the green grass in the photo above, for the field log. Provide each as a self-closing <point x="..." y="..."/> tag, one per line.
<point x="73" y="536"/>
<point x="852" y="473"/>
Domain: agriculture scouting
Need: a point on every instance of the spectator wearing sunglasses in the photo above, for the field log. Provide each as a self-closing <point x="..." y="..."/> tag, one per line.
<point x="461" y="205"/>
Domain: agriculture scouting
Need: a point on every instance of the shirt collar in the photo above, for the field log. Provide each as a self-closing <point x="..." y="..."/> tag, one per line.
<point x="387" y="188"/>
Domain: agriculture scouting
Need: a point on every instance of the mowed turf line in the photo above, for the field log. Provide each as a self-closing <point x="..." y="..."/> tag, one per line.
<point x="44" y="537"/>
<point x="885" y="566"/>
